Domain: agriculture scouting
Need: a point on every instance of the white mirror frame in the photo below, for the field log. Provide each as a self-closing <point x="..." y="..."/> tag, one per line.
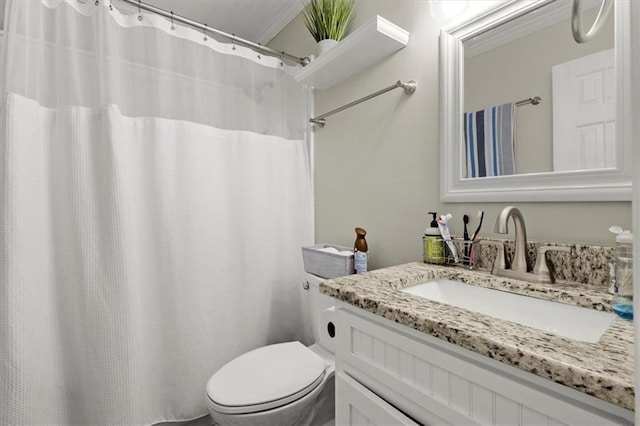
<point x="611" y="184"/>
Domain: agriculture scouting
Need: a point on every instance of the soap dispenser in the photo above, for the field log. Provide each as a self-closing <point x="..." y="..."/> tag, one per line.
<point x="360" y="249"/>
<point x="433" y="243"/>
<point x="622" y="302"/>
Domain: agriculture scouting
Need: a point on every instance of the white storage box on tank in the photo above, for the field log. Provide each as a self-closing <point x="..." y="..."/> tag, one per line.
<point x="328" y="260"/>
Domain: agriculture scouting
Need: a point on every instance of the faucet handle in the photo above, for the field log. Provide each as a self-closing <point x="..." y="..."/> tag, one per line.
<point x="499" y="263"/>
<point x="541" y="268"/>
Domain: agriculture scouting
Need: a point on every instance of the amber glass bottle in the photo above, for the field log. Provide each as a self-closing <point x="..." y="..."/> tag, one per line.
<point x="360" y="249"/>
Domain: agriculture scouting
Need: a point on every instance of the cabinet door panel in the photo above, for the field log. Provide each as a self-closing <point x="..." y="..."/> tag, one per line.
<point x="358" y="406"/>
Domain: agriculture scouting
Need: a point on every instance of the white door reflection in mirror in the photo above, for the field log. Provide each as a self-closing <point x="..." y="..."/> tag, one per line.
<point x="584" y="112"/>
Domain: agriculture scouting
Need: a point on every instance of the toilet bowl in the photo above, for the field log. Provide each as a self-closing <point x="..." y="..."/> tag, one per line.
<point x="281" y="384"/>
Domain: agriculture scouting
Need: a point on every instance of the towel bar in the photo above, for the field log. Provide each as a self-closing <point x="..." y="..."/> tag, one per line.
<point x="408" y="86"/>
<point x="533" y="101"/>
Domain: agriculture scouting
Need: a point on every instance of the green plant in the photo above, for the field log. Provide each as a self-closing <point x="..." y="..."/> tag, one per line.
<point x="328" y="19"/>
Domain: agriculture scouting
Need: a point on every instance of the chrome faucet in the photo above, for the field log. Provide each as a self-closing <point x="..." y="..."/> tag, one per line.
<point x="519" y="266"/>
<point x="519" y="262"/>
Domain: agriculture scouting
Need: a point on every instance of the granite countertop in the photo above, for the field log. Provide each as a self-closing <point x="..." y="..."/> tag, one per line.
<point x="603" y="369"/>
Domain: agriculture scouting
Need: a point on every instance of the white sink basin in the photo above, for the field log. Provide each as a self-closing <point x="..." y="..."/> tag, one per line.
<point x="576" y="323"/>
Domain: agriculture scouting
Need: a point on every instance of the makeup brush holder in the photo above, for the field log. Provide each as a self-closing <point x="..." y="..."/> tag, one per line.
<point x="468" y="253"/>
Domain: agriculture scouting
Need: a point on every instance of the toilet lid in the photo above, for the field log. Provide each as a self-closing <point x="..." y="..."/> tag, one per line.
<point x="265" y="378"/>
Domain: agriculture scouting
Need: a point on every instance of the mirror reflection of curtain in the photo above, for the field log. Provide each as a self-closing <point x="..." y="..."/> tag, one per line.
<point x="155" y="194"/>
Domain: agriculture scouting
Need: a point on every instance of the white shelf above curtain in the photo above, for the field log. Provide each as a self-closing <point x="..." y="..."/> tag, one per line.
<point x="362" y="48"/>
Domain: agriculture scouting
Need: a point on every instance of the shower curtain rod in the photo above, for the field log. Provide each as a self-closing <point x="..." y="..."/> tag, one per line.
<point x="408" y="86"/>
<point x="206" y="29"/>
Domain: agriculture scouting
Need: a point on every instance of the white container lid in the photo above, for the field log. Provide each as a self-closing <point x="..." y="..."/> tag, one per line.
<point x="622" y="236"/>
<point x="265" y="378"/>
<point x="625" y="237"/>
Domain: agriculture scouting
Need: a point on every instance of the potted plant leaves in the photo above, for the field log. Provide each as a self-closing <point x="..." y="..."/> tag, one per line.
<point x="328" y="20"/>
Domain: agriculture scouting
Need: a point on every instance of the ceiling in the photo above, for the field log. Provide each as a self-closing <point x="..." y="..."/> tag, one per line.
<point x="255" y="20"/>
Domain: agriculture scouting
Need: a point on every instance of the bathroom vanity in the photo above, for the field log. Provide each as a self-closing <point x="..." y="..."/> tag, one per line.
<point x="404" y="359"/>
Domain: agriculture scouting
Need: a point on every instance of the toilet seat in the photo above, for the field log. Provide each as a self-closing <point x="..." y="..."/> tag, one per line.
<point x="265" y="378"/>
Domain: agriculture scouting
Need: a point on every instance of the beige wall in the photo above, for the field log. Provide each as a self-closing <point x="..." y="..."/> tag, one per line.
<point x="378" y="164"/>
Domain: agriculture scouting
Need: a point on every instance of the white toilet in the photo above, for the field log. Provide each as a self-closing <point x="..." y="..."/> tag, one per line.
<point x="281" y="384"/>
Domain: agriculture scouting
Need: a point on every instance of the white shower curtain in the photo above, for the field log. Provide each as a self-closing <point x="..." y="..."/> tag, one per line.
<point x="155" y="192"/>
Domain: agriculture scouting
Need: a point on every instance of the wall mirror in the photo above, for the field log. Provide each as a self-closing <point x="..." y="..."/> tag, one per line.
<point x="498" y="143"/>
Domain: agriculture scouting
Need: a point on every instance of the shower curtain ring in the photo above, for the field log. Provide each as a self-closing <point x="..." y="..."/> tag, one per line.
<point x="173" y="27"/>
<point x="204" y="31"/>
<point x="139" y="11"/>
<point x="233" y="42"/>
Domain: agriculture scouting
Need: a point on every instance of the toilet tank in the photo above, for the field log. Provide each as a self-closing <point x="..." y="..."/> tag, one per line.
<point x="322" y="313"/>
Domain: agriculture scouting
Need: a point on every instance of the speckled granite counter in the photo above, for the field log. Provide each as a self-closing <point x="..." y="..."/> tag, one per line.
<point x="603" y="369"/>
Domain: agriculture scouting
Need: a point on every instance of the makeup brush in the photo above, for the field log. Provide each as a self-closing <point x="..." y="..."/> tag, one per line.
<point x="465" y="235"/>
<point x="474" y="236"/>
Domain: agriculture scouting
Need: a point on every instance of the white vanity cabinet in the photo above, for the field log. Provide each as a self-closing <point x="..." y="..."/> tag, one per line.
<point x="389" y="374"/>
